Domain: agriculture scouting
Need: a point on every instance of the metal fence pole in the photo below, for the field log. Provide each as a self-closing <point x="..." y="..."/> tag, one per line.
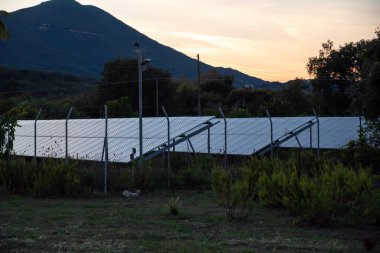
<point x="35" y="134"/>
<point x="105" y="150"/>
<point x="168" y="156"/>
<point x="311" y="138"/>
<point x="316" y="116"/>
<point x="208" y="141"/>
<point x="271" y="134"/>
<point x="225" y="138"/>
<point x="66" y="134"/>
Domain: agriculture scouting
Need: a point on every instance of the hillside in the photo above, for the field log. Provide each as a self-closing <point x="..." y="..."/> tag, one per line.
<point x="65" y="36"/>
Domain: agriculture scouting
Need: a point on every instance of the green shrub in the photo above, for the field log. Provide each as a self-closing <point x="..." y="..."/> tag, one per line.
<point x="148" y="178"/>
<point x="198" y="173"/>
<point x="234" y="191"/>
<point x="16" y="174"/>
<point x="335" y="192"/>
<point x="174" y="204"/>
<point x="55" y="178"/>
<point x="274" y="184"/>
<point x="373" y="214"/>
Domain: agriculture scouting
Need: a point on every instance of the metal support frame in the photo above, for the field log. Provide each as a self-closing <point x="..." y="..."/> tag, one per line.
<point x="225" y="137"/>
<point x="192" y="147"/>
<point x="286" y="137"/>
<point x="298" y="141"/>
<point x="106" y="150"/>
<point x="66" y="134"/>
<point x="318" y="146"/>
<point x="168" y="150"/>
<point x="35" y="133"/>
<point x="179" y="139"/>
<point x="271" y="134"/>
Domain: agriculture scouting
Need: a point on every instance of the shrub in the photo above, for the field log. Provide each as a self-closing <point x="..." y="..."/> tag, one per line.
<point x="174" y="205"/>
<point x="274" y="184"/>
<point x="16" y="174"/>
<point x="148" y="178"/>
<point x="198" y="173"/>
<point x="55" y="178"/>
<point x="335" y="192"/>
<point x="234" y="191"/>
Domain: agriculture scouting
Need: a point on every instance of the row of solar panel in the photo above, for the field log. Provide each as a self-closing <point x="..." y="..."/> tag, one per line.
<point x="85" y="138"/>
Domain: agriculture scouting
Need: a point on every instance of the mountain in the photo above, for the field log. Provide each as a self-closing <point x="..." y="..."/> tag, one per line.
<point x="65" y="36"/>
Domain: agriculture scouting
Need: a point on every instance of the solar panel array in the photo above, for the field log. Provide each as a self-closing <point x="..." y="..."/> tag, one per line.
<point x="248" y="135"/>
<point x="245" y="136"/>
<point x="86" y="136"/>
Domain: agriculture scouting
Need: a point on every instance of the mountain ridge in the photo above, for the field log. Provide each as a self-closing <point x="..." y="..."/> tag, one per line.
<point x="66" y="36"/>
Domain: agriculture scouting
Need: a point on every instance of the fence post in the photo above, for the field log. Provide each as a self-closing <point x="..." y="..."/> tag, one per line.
<point x="168" y="156"/>
<point x="225" y="138"/>
<point x="35" y="134"/>
<point x="316" y="116"/>
<point x="311" y="138"/>
<point x="271" y="134"/>
<point x="66" y="134"/>
<point x="105" y="150"/>
<point x="208" y="141"/>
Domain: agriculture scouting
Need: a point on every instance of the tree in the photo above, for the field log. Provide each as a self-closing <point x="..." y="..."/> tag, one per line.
<point x="334" y="72"/>
<point x="120" y="79"/>
<point x="348" y="80"/>
<point x="4" y="34"/>
<point x="296" y="94"/>
<point x="8" y="123"/>
<point x="369" y="92"/>
<point x="217" y="83"/>
<point x="120" y="108"/>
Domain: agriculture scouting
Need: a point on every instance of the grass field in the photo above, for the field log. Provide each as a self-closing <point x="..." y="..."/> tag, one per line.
<point x="143" y="224"/>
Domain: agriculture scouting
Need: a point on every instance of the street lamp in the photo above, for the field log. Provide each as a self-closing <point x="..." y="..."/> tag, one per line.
<point x="141" y="63"/>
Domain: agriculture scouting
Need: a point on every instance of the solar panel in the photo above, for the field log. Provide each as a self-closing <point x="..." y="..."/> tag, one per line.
<point x="86" y="136"/>
<point x="245" y="136"/>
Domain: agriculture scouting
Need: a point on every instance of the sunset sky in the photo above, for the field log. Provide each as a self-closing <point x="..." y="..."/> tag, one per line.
<point x="269" y="39"/>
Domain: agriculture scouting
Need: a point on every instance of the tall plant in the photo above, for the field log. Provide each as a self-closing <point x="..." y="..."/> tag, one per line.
<point x="8" y="123"/>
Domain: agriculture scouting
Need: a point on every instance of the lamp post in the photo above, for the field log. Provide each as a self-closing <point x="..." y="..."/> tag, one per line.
<point x="139" y="63"/>
<point x="141" y="68"/>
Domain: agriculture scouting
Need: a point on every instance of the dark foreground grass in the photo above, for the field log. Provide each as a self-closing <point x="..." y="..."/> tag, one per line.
<point x="143" y="224"/>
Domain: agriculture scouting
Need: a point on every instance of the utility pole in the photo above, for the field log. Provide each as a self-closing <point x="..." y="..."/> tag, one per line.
<point x="199" y="88"/>
<point x="156" y="97"/>
<point x="142" y="65"/>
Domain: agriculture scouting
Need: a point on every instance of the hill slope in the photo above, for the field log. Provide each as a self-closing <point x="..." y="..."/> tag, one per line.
<point x="65" y="36"/>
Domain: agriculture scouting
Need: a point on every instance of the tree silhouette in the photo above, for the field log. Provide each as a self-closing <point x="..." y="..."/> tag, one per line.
<point x="4" y="34"/>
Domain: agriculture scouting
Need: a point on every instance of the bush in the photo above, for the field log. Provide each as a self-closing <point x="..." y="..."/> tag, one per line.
<point x="174" y="205"/>
<point x="274" y="180"/>
<point x="336" y="192"/>
<point x="55" y="178"/>
<point x="148" y="178"/>
<point x="198" y="173"/>
<point x="359" y="154"/>
<point x="234" y="191"/>
<point x="16" y="174"/>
